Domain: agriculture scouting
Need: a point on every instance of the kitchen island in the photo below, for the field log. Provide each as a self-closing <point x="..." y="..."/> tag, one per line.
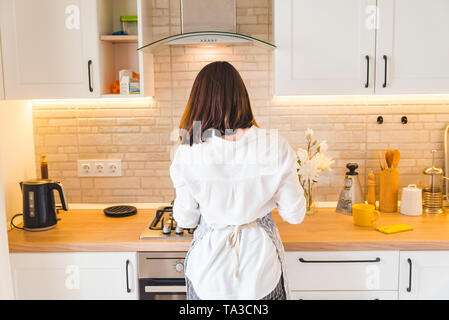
<point x="90" y="230"/>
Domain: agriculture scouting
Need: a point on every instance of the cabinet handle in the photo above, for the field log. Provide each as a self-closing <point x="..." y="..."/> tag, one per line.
<point x="89" y="65"/>
<point x="409" y="275"/>
<point x="162" y="289"/>
<point x="385" y="72"/>
<point x="128" y="289"/>
<point x="367" y="72"/>
<point x="338" y="261"/>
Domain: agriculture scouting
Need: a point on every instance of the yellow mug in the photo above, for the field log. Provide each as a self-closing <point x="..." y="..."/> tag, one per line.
<point x="364" y="214"/>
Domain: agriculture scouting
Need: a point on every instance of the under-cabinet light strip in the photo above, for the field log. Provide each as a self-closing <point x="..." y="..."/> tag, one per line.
<point x="131" y="101"/>
<point x="406" y="99"/>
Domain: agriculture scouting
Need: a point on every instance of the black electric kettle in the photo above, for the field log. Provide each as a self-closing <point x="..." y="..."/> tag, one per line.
<point x="39" y="210"/>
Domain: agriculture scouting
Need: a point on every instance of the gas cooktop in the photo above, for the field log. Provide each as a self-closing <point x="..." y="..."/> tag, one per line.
<point x="163" y="226"/>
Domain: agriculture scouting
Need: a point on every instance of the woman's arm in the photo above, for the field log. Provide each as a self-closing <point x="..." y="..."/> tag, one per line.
<point x="289" y="197"/>
<point x="185" y="208"/>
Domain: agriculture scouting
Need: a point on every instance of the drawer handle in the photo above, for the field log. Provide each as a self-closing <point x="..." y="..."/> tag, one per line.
<point x="409" y="275"/>
<point x="128" y="289"/>
<point x="338" y="261"/>
<point x="165" y="289"/>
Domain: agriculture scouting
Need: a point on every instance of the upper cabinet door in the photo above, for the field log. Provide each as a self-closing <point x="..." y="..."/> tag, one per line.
<point x="324" y="46"/>
<point x="49" y="48"/>
<point x="412" y="47"/>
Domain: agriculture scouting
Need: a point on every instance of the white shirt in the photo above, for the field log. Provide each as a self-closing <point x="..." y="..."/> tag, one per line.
<point x="232" y="183"/>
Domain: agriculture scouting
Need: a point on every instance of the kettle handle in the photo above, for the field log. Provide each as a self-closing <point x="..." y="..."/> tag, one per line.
<point x="58" y="186"/>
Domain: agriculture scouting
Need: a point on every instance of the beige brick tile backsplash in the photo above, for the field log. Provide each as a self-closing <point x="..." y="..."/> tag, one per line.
<point x="140" y="135"/>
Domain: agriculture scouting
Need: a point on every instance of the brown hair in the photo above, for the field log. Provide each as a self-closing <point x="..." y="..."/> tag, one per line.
<point x="218" y="101"/>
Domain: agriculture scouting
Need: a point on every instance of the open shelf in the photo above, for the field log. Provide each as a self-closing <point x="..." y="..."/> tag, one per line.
<point x="118" y="38"/>
<point x="119" y="52"/>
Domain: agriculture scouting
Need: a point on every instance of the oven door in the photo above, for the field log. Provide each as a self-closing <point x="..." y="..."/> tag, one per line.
<point x="162" y="289"/>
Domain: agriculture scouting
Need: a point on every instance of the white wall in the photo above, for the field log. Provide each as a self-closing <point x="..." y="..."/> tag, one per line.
<point x="6" y="290"/>
<point x="17" y="163"/>
<point x="2" y="92"/>
<point x="17" y="159"/>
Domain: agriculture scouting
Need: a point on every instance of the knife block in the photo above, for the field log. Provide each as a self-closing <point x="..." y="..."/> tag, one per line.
<point x="389" y="187"/>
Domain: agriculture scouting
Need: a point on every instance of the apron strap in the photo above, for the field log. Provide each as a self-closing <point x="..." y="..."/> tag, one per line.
<point x="233" y="241"/>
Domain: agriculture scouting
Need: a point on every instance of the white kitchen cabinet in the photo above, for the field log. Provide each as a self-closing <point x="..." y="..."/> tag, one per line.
<point x="77" y="275"/>
<point x="343" y="270"/>
<point x="412" y="41"/>
<point x="344" y="295"/>
<point x="424" y="275"/>
<point x="50" y="48"/>
<point x="324" y="46"/>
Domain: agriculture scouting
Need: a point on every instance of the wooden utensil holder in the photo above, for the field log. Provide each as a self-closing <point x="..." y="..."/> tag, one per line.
<point x="389" y="186"/>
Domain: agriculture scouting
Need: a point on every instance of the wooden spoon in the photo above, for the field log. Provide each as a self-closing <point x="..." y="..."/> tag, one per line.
<point x="380" y="161"/>
<point x="389" y="157"/>
<point x="396" y="158"/>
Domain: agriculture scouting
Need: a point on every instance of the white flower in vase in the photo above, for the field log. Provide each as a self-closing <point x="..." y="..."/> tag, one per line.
<point x="312" y="162"/>
<point x="308" y="171"/>
<point x="323" y="162"/>
<point x="322" y="147"/>
<point x="309" y="134"/>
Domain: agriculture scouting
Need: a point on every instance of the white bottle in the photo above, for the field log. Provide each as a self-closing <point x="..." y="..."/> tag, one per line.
<point x="124" y="78"/>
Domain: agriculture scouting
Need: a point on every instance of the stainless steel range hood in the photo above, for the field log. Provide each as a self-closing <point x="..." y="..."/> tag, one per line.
<point x="207" y="23"/>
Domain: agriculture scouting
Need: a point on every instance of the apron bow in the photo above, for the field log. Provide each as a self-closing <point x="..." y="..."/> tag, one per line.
<point x="233" y="241"/>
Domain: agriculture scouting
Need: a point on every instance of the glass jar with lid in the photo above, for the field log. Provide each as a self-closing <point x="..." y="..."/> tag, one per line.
<point x="433" y="188"/>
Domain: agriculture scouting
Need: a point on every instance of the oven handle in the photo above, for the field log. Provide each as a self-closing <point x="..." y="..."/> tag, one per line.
<point x="164" y="289"/>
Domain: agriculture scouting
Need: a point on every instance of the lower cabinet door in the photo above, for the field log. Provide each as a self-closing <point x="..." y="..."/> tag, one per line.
<point x="342" y="270"/>
<point x="344" y="295"/>
<point x="77" y="275"/>
<point x="424" y="275"/>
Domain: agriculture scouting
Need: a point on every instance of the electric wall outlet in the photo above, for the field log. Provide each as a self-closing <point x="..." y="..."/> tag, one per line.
<point x="113" y="168"/>
<point x="100" y="168"/>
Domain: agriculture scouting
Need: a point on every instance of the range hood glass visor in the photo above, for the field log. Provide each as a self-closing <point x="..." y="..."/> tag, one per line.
<point x="206" y="38"/>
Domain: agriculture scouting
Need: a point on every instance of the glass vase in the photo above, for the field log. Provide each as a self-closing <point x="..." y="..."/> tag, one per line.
<point x="309" y="194"/>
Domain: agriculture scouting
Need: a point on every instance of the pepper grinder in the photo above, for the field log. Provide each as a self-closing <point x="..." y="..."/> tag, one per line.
<point x="371" y="193"/>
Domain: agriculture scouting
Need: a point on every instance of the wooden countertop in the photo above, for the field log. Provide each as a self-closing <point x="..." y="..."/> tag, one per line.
<point x="91" y="230"/>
